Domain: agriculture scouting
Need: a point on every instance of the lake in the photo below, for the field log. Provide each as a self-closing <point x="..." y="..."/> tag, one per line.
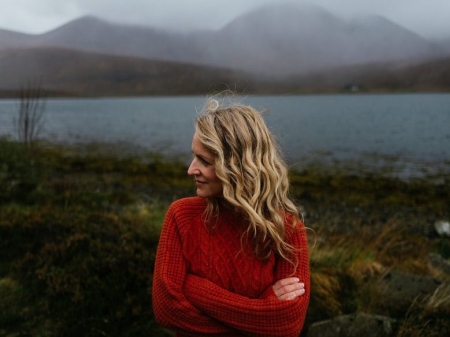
<point x="408" y="131"/>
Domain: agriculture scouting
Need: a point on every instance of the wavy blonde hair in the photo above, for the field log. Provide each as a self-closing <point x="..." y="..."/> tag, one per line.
<point x="254" y="176"/>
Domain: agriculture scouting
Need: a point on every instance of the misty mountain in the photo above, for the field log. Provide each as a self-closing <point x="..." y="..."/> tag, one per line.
<point x="92" y="34"/>
<point x="66" y="72"/>
<point x="306" y="38"/>
<point x="433" y="75"/>
<point x="10" y="39"/>
<point x="419" y="76"/>
<point x="278" y="39"/>
<point x="445" y="43"/>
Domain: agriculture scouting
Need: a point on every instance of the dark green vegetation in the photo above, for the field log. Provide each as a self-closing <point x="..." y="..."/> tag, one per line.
<point x="79" y="231"/>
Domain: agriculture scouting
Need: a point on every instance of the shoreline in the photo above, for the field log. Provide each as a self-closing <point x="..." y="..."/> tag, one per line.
<point x="364" y="163"/>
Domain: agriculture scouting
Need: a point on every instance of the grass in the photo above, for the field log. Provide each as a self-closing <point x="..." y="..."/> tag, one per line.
<point x="79" y="230"/>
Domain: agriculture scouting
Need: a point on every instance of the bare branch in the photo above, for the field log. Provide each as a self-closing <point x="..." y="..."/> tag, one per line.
<point x="30" y="114"/>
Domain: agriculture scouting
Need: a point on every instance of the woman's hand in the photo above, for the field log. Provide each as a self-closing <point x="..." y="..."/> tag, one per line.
<point x="289" y="288"/>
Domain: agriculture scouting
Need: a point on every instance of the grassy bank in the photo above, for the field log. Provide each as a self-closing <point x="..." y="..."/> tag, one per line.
<point x="79" y="231"/>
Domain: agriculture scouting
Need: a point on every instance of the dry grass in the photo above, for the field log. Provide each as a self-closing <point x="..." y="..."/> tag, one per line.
<point x="440" y="298"/>
<point x="346" y="269"/>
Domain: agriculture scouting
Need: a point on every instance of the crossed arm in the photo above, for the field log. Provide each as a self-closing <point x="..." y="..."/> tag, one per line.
<point x="268" y="315"/>
<point x="193" y="305"/>
<point x="171" y="307"/>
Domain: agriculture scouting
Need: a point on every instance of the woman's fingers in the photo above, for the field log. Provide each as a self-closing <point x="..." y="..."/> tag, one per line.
<point x="286" y="282"/>
<point x="289" y="288"/>
<point x="292" y="295"/>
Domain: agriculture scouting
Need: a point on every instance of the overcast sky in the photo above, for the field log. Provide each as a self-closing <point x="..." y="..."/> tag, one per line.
<point x="429" y="18"/>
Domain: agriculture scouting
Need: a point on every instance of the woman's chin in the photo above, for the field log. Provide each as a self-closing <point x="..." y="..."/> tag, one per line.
<point x="201" y="193"/>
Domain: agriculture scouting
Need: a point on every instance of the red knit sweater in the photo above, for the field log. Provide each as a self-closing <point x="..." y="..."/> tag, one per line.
<point x="207" y="282"/>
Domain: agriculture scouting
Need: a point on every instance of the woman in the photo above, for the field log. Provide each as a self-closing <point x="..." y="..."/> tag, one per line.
<point x="233" y="260"/>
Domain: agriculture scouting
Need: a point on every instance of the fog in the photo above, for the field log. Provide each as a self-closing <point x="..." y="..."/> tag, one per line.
<point x="431" y="18"/>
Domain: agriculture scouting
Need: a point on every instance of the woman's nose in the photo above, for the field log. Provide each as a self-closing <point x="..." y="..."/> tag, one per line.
<point x="192" y="170"/>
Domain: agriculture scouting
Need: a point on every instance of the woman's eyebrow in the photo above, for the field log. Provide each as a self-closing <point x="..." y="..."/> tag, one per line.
<point x="199" y="155"/>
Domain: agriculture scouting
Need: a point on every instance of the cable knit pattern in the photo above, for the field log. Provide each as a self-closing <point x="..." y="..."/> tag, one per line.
<point x="207" y="282"/>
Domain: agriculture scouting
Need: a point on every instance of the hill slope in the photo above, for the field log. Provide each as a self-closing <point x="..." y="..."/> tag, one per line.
<point x="71" y="72"/>
<point x="76" y="73"/>
<point x="279" y="39"/>
<point x="286" y="39"/>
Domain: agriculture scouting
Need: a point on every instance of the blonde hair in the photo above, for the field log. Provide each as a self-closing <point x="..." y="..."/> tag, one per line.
<point x="254" y="176"/>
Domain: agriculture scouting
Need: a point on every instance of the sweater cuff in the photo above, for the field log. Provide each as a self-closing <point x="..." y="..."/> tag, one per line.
<point x="268" y="293"/>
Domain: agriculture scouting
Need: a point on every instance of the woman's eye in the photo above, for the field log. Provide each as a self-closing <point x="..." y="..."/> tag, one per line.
<point x="204" y="161"/>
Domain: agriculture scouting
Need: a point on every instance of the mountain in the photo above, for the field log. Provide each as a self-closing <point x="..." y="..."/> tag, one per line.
<point x="432" y="75"/>
<point x="278" y="40"/>
<point x="91" y="34"/>
<point x="419" y="76"/>
<point x="68" y="72"/>
<point x="10" y="39"/>
<point x="286" y="38"/>
<point x="445" y="43"/>
<point x="94" y="35"/>
<point x="65" y="72"/>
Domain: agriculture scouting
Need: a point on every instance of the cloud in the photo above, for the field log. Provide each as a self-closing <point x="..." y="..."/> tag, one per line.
<point x="36" y="16"/>
<point x="192" y="14"/>
<point x="430" y="18"/>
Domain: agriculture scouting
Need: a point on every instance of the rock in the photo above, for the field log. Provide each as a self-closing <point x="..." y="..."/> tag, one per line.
<point x="442" y="228"/>
<point x="438" y="262"/>
<point x="398" y="291"/>
<point x="354" y="325"/>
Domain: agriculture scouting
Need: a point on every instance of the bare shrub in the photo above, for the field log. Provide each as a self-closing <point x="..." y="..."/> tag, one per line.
<point x="30" y="114"/>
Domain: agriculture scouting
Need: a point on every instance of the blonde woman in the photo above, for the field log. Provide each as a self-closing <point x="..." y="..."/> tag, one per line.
<point x="233" y="260"/>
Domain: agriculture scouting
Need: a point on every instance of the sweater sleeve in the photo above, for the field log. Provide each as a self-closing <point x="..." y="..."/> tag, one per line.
<point x="171" y="308"/>
<point x="264" y="316"/>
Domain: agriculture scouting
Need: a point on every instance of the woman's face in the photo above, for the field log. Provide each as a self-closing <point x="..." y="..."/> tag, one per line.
<point x="203" y="170"/>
